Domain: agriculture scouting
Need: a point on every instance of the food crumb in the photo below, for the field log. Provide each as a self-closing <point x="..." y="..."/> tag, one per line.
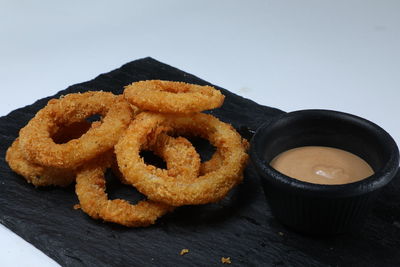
<point x="77" y="207"/>
<point x="281" y="233"/>
<point x="184" y="251"/>
<point x="226" y="260"/>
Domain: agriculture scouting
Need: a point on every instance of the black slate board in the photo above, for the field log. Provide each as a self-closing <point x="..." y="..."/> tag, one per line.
<point x="241" y="226"/>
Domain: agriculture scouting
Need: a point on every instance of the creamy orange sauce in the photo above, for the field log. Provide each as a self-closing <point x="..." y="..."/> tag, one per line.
<point x="322" y="165"/>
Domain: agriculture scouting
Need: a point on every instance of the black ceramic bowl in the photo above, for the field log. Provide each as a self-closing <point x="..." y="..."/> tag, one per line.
<point x="314" y="208"/>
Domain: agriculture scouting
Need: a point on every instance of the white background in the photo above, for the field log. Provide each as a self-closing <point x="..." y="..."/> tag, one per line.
<point x="342" y="55"/>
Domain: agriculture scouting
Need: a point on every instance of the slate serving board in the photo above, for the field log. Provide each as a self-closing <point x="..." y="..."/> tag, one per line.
<point x="240" y="227"/>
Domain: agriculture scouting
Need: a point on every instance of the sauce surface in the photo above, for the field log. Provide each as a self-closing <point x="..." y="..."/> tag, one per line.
<point x="322" y="165"/>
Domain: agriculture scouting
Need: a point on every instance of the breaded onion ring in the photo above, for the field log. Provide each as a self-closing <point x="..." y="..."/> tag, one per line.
<point x="35" y="138"/>
<point x="157" y="185"/>
<point x="40" y="175"/>
<point x="91" y="185"/>
<point x="36" y="174"/>
<point x="172" y="97"/>
<point x="216" y="160"/>
<point x="181" y="158"/>
<point x="90" y="189"/>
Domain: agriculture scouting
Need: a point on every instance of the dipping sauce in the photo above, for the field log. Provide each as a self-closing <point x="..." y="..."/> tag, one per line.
<point x="322" y="165"/>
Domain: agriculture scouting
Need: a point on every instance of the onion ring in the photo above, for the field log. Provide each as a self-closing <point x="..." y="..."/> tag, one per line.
<point x="172" y="97"/>
<point x="90" y="183"/>
<point x="44" y="176"/>
<point x="182" y="160"/>
<point x="216" y="160"/>
<point x="157" y="185"/>
<point x="35" y="138"/>
<point x="34" y="173"/>
<point x="90" y="189"/>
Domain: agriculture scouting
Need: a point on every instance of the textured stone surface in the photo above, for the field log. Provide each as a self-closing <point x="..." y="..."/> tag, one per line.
<point x="240" y="227"/>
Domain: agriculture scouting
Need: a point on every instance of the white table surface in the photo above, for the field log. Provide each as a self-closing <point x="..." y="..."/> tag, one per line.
<point x="341" y="55"/>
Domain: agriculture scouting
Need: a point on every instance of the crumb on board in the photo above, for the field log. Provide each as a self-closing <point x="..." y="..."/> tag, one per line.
<point x="77" y="207"/>
<point x="226" y="260"/>
<point x="281" y="233"/>
<point x="184" y="251"/>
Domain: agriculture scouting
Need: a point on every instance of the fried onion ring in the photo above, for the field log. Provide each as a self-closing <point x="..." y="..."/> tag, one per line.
<point x="44" y="176"/>
<point x="90" y="189"/>
<point x="172" y="97"/>
<point x="91" y="185"/>
<point x="216" y="160"/>
<point x="157" y="185"/>
<point x="181" y="158"/>
<point x="35" y="138"/>
<point x="34" y="173"/>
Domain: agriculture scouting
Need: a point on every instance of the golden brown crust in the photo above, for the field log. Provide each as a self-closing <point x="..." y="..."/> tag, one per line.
<point x="59" y="146"/>
<point x="36" y="137"/>
<point x="91" y="185"/>
<point x="90" y="189"/>
<point x="157" y="185"/>
<point x="226" y="260"/>
<point x="34" y="173"/>
<point x="184" y="251"/>
<point x="181" y="158"/>
<point x="183" y="162"/>
<point x="40" y="175"/>
<point x="172" y="97"/>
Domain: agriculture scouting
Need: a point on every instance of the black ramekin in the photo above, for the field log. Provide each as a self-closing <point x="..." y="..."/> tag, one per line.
<point x="315" y="208"/>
